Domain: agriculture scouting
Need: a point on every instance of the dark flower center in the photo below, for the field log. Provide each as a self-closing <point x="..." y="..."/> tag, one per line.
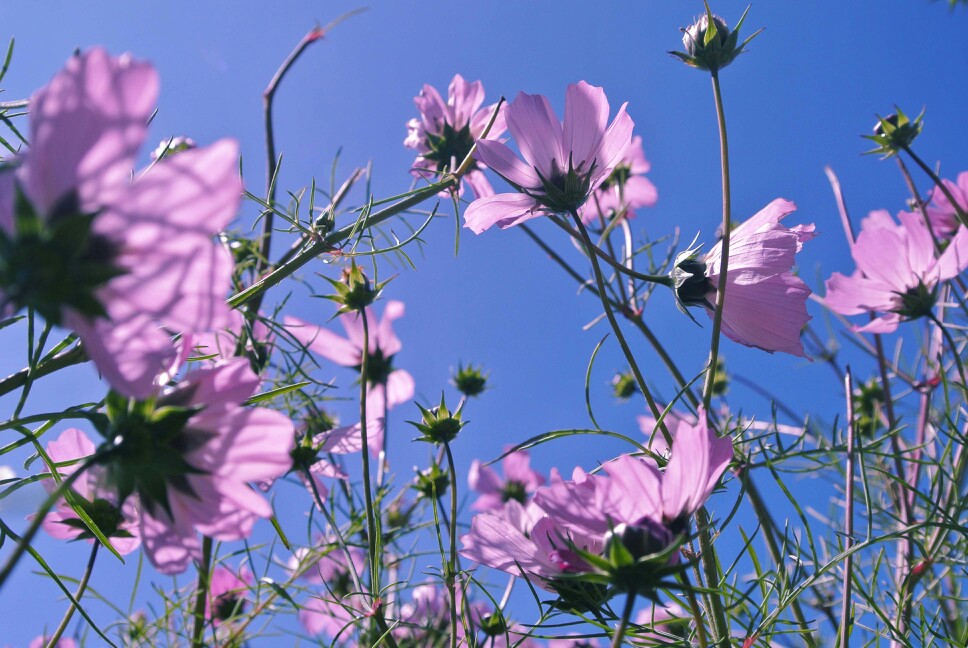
<point x="56" y="262"/>
<point x="565" y="190"/>
<point x="514" y="490"/>
<point x="917" y="302"/>
<point x="378" y="368"/>
<point x="449" y="145"/>
<point x="227" y="606"/>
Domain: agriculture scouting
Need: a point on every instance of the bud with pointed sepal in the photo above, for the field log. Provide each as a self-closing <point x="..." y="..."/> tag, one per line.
<point x="710" y="44"/>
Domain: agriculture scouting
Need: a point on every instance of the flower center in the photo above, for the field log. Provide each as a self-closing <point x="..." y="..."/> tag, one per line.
<point x="378" y="368"/>
<point x="56" y="262"/>
<point x="448" y="145"/>
<point x="916" y="302"/>
<point x="514" y="490"/>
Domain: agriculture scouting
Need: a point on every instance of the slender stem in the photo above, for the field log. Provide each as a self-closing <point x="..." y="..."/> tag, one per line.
<point x="78" y="593"/>
<point x="14" y="381"/>
<point x="600" y="281"/>
<point x="710" y="568"/>
<point x="707" y="392"/>
<point x="845" y="610"/>
<point x="271" y="162"/>
<point x="696" y="612"/>
<point x="623" y="623"/>
<point x="204" y="580"/>
<point x="45" y="508"/>
<point x="452" y="564"/>
<point x="954" y="348"/>
<point x="372" y="530"/>
<point x="962" y="215"/>
<point x="665" y="280"/>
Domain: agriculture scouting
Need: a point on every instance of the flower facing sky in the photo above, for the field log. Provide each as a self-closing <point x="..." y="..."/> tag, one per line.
<point x="898" y="271"/>
<point x="116" y="260"/>
<point x="446" y="131"/>
<point x="189" y="453"/>
<point x="519" y="482"/>
<point x="564" y="162"/>
<point x="386" y="387"/>
<point x="766" y="304"/>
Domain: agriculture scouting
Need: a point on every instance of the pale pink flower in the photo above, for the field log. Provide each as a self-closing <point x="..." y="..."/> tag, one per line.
<point x="318" y="567"/>
<point x="123" y="263"/>
<point x="898" y="271"/>
<point x="446" y="131"/>
<point x="335" y="609"/>
<point x="564" y="161"/>
<point x="226" y="593"/>
<point x="942" y="214"/>
<point x="191" y="475"/>
<point x="386" y="386"/>
<point x="63" y="642"/>
<point x="625" y="190"/>
<point x="765" y="302"/>
<point x="118" y="524"/>
<point x="519" y="482"/>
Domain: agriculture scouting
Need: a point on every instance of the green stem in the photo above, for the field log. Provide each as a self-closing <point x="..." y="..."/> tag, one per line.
<point x="45" y="508"/>
<point x="452" y="565"/>
<point x="623" y="623"/>
<point x="78" y="593"/>
<point x="845" y="616"/>
<point x="204" y="579"/>
<point x="600" y="281"/>
<point x="696" y="612"/>
<point x="665" y="280"/>
<point x="707" y="392"/>
<point x="14" y="381"/>
<point x="372" y="530"/>
<point x="710" y="568"/>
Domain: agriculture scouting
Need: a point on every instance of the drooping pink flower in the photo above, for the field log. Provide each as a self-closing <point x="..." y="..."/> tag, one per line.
<point x="386" y="386"/>
<point x="189" y="454"/>
<point x="123" y="263"/>
<point x="446" y="131"/>
<point x="624" y="191"/>
<point x="100" y="501"/>
<point x="226" y="593"/>
<point x="765" y="302"/>
<point x="942" y="214"/>
<point x="564" y="161"/>
<point x="519" y="482"/>
<point x="898" y="271"/>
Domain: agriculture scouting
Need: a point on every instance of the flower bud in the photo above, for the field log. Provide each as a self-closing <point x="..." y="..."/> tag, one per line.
<point x="469" y="380"/>
<point x="438" y="424"/>
<point x="431" y="482"/>
<point x="710" y="44"/>
<point x="494" y="625"/>
<point x="894" y="133"/>
<point x="689" y="281"/>
<point x="624" y="385"/>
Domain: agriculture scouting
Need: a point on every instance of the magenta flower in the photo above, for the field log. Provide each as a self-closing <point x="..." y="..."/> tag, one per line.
<point x="898" y="271"/>
<point x="519" y="482"/>
<point x="100" y="502"/>
<point x="189" y="453"/>
<point x="123" y="263"/>
<point x="446" y="131"/>
<point x="624" y="191"/>
<point x="564" y="161"/>
<point x="226" y="593"/>
<point x="386" y="386"/>
<point x="765" y="302"/>
<point x="942" y="214"/>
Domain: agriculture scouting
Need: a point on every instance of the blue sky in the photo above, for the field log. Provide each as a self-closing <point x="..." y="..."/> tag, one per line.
<point x="800" y="99"/>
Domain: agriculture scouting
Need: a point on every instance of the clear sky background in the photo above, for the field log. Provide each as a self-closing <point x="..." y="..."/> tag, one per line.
<point x="800" y="99"/>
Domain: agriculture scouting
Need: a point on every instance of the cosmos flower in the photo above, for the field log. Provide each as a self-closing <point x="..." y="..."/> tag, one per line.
<point x="519" y="482"/>
<point x="386" y="386"/>
<point x="765" y="302"/>
<point x="941" y="213"/>
<point x="98" y="499"/>
<point x="335" y="608"/>
<point x="564" y="161"/>
<point x="123" y="263"/>
<point x="446" y="131"/>
<point x="226" y="593"/>
<point x="188" y="454"/>
<point x="898" y="271"/>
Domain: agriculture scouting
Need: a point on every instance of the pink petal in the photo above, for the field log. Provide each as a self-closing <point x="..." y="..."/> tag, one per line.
<point x="505" y="163"/>
<point x="698" y="461"/>
<point x="323" y="342"/>
<point x="503" y="210"/>
<point x="384" y="337"/>
<point x="229" y="383"/>
<point x="400" y="388"/>
<point x="537" y="131"/>
<point x="170" y="546"/>
<point x="586" y="114"/>
<point x="86" y="127"/>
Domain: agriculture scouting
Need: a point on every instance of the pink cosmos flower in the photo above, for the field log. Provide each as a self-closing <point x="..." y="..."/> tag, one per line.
<point x="625" y="190"/>
<point x="519" y="482"/>
<point x="564" y="161"/>
<point x="446" y="131"/>
<point x="120" y="525"/>
<point x="386" y="386"/>
<point x="765" y="302"/>
<point x="897" y="273"/>
<point x="335" y="609"/>
<point x="942" y="214"/>
<point x="123" y="263"/>
<point x="189" y="454"/>
<point x="226" y="592"/>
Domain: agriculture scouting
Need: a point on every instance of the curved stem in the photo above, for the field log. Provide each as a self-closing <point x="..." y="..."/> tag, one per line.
<point x="78" y="593"/>
<point x="14" y="381"/>
<point x="696" y="612"/>
<point x="707" y="392"/>
<point x="962" y="216"/>
<point x="204" y="580"/>
<point x="600" y="281"/>
<point x="623" y="623"/>
<point x="665" y="280"/>
<point x="845" y="609"/>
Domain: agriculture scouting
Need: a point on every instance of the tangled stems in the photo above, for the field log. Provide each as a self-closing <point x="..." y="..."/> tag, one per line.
<point x="62" y="489"/>
<point x="600" y="281"/>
